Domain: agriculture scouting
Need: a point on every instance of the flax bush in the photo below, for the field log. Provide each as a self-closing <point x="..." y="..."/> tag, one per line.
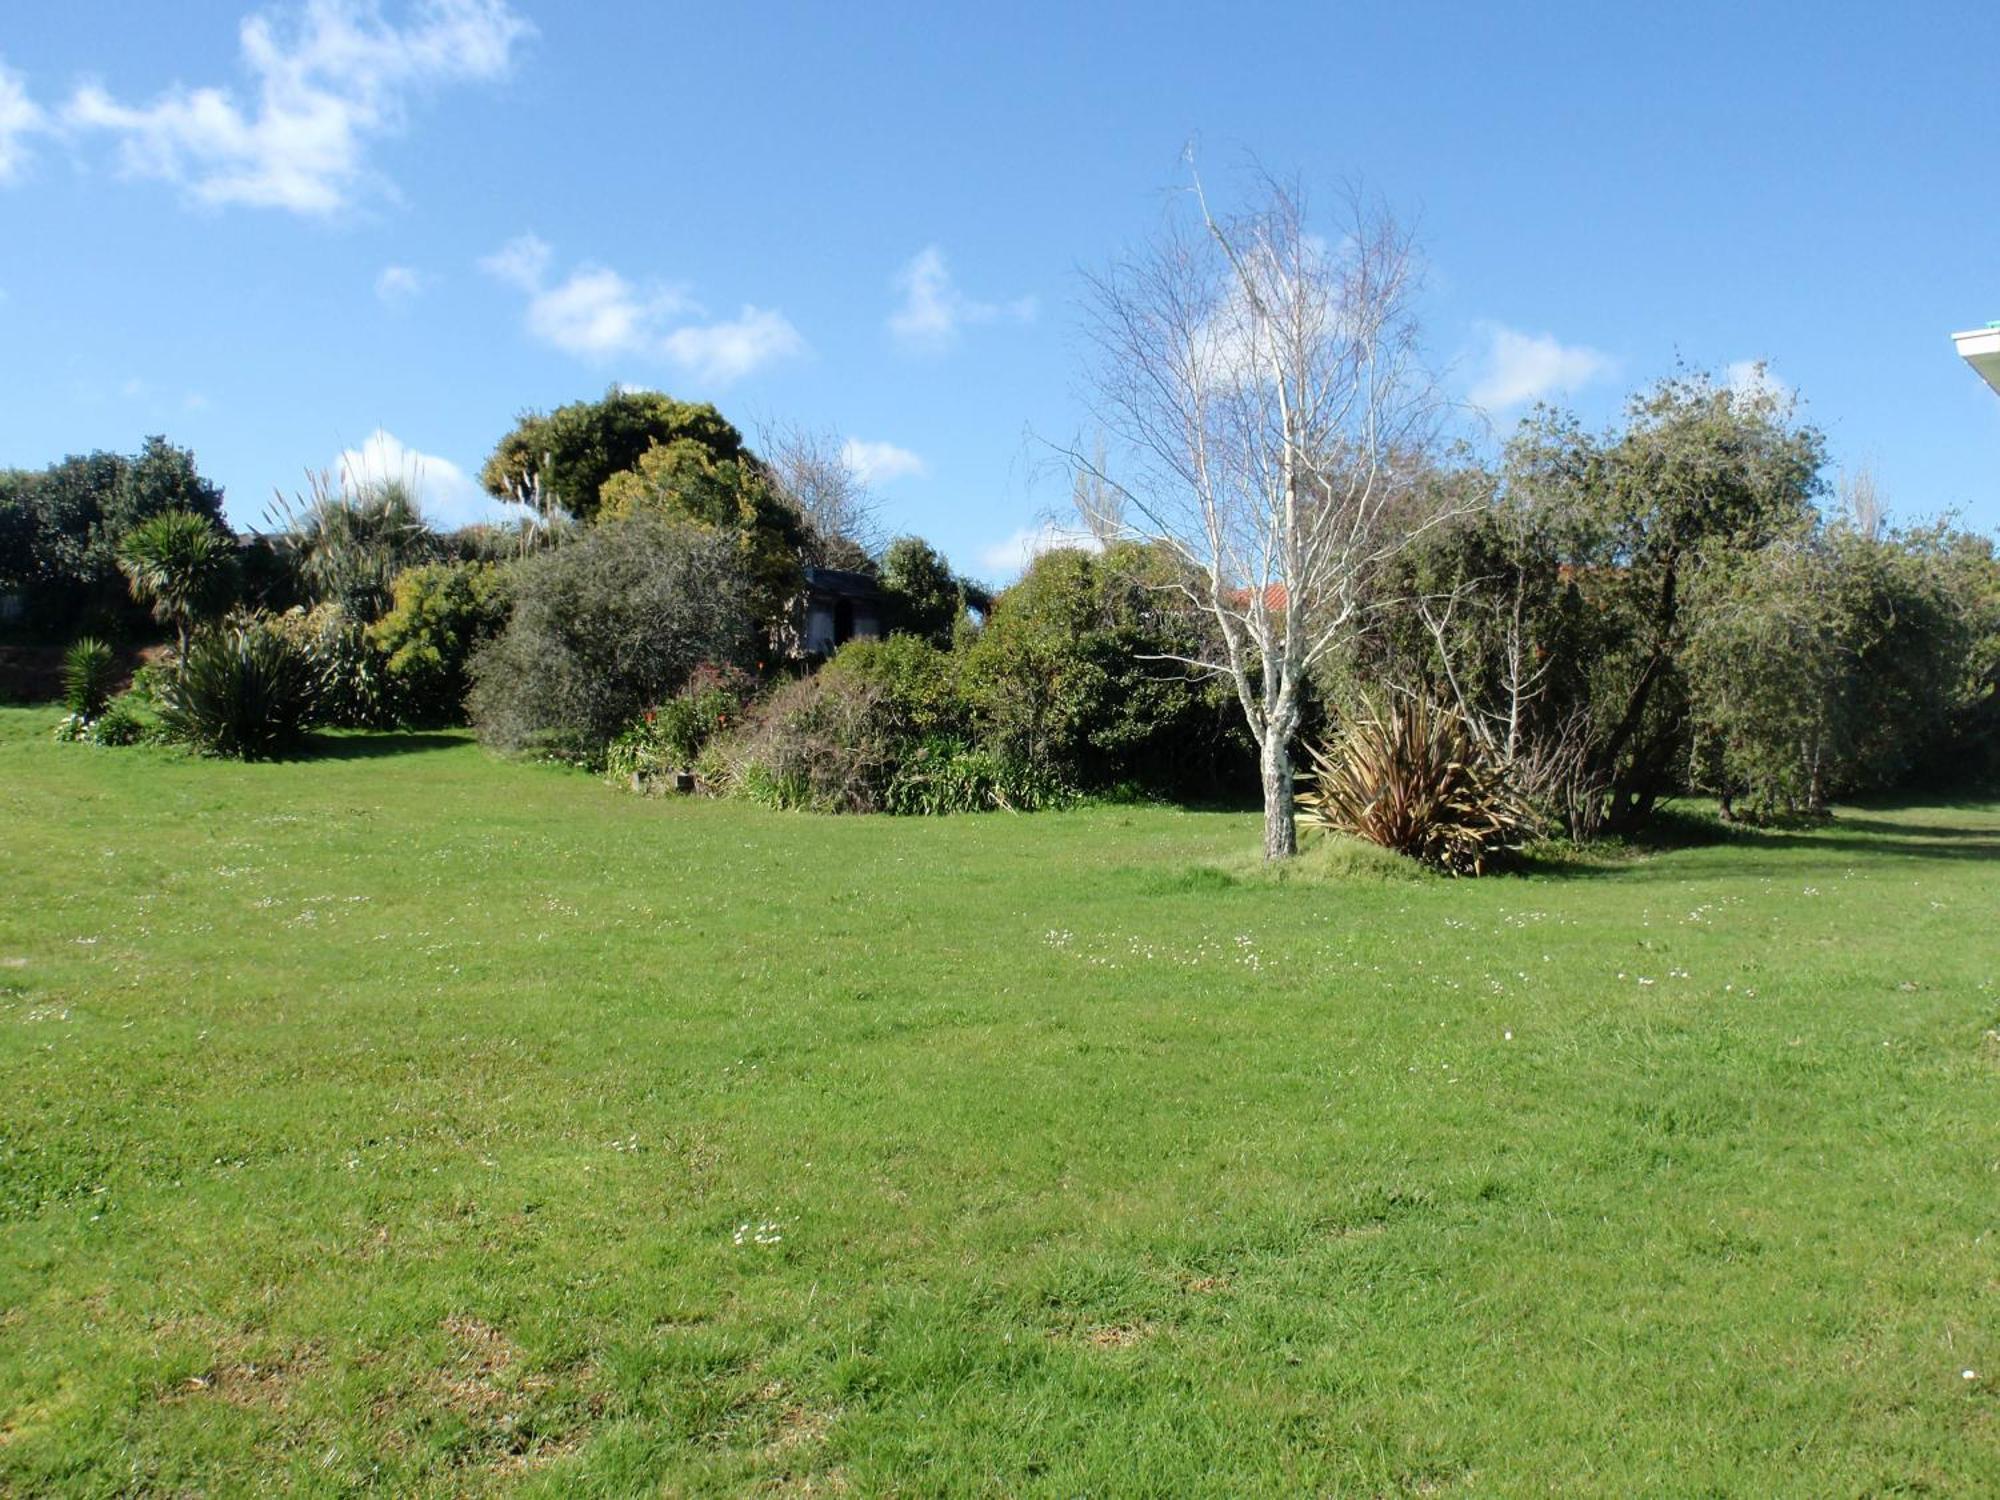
<point x="1414" y="779"/>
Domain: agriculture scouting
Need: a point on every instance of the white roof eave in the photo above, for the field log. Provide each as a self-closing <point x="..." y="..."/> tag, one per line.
<point x="1980" y="348"/>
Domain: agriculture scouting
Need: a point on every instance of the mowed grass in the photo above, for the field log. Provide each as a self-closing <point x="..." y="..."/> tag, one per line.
<point x="406" y="1120"/>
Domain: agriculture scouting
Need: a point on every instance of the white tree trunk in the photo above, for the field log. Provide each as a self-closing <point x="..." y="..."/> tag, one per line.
<point x="1281" y="829"/>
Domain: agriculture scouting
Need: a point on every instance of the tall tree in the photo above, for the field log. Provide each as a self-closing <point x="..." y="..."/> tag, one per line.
<point x="565" y="456"/>
<point x="1260" y="387"/>
<point x="184" y="566"/>
<point x="1700" y="471"/>
<point x="926" y="599"/>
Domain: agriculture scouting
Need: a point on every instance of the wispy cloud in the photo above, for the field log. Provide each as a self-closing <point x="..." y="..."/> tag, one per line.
<point x="445" y="492"/>
<point x="20" y="117"/>
<point x="327" y="78"/>
<point x="595" y="313"/>
<point x="934" y="311"/>
<point x="397" y="285"/>
<point x="1011" y="555"/>
<point x="1523" y="367"/>
<point x="879" y="463"/>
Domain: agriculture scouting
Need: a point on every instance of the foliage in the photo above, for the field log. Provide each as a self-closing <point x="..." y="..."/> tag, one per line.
<point x="248" y="691"/>
<point x="89" y="670"/>
<point x="347" y="542"/>
<point x="685" y="481"/>
<point x="1074" y="672"/>
<point x="925" y="598"/>
<point x="183" y="565"/>
<point x="815" y="744"/>
<point x="606" y="627"/>
<point x="124" y="721"/>
<point x="1414" y="779"/>
<point x="440" y="613"/>
<point x="943" y="776"/>
<point x="1700" y="472"/>
<point x="672" y="737"/>
<point x="61" y="528"/>
<point x="1822" y="663"/>
<point x="353" y="689"/>
<point x="572" y="451"/>
<point x="918" y="683"/>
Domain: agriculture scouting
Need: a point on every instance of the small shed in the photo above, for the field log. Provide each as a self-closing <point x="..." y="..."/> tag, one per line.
<point x="836" y="607"/>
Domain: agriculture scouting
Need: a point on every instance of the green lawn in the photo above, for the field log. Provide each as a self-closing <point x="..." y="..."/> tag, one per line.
<point x="405" y="1119"/>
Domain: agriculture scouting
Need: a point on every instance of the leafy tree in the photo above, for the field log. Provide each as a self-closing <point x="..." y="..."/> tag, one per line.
<point x="64" y="525"/>
<point x="158" y="479"/>
<point x="348" y="542"/>
<point x="1078" y="670"/>
<point x="1824" y="662"/>
<point x="925" y="598"/>
<point x="605" y="627"/>
<point x="569" y="453"/>
<point x="1771" y="671"/>
<point x="1699" y="472"/>
<point x="441" y="614"/>
<point x="184" y="566"/>
<point x="686" y="481"/>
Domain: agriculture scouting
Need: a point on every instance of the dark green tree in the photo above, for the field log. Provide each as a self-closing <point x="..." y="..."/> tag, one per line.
<point x="926" y="599"/>
<point x="568" y="454"/>
<point x="1700" y="471"/>
<point x="184" y="566"/>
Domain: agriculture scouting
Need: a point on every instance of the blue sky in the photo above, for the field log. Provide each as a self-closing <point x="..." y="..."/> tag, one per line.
<point x="276" y="233"/>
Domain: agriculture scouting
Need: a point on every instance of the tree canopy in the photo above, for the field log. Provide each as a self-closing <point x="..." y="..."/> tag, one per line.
<point x="567" y="455"/>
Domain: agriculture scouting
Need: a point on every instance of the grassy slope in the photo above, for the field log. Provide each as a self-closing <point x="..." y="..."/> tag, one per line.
<point x="388" y="1120"/>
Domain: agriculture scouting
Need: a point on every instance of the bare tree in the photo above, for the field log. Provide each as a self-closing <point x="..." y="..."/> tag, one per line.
<point x="816" y="474"/>
<point x="1262" y="387"/>
<point x="1862" y="502"/>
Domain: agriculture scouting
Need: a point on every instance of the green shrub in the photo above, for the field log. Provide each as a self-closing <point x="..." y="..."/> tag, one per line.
<point x="672" y="737"/>
<point x="918" y="682"/>
<point x="89" y="669"/>
<point x="441" y="613"/>
<point x="352" y="689"/>
<point x="1415" y="780"/>
<point x="817" y="744"/>
<point x="606" y="627"/>
<point x="122" y="723"/>
<point x="1074" y="672"/>
<point x="950" y="776"/>
<point x="248" y="690"/>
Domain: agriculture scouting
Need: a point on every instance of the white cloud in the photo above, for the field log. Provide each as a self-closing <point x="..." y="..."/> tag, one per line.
<point x="934" y="310"/>
<point x="595" y="313"/>
<point x="1008" y="557"/>
<point x="329" y="76"/>
<point x="726" y="351"/>
<point x="1523" y="367"/>
<point x="446" y="493"/>
<point x="20" y="117"/>
<point x="878" y="463"/>
<point x="399" y="284"/>
<point x="1752" y="378"/>
<point x="523" y="261"/>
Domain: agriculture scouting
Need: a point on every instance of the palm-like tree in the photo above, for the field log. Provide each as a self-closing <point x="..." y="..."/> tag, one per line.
<point x="349" y="541"/>
<point x="184" y="566"/>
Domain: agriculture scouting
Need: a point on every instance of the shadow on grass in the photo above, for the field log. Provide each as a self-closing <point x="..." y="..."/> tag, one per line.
<point x="1682" y="828"/>
<point x="378" y="744"/>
